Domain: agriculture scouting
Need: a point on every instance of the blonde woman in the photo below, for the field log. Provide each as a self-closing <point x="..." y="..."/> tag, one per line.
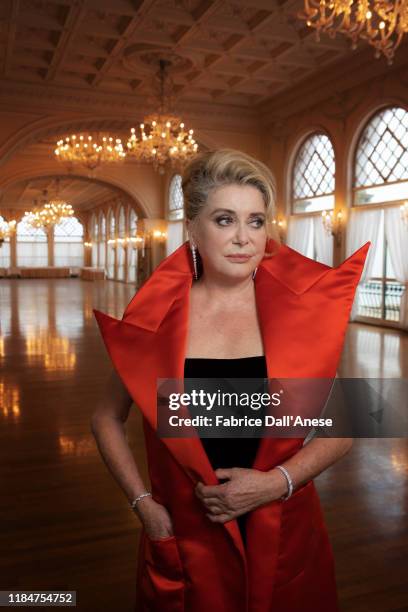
<point x="229" y="525"/>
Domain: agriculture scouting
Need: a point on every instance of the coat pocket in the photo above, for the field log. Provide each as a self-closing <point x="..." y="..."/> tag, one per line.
<point x="298" y="533"/>
<point x="163" y="582"/>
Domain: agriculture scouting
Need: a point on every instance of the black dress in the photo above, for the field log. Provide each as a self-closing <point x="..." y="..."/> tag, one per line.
<point x="229" y="452"/>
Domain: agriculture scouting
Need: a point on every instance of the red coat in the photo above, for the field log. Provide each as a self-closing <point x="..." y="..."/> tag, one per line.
<point x="287" y="565"/>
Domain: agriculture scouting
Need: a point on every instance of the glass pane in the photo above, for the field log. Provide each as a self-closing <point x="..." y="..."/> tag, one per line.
<point x="5" y="260"/>
<point x="68" y="229"/>
<point x="111" y="225"/>
<point x="382" y="152"/>
<point x="110" y="252"/>
<point x="385" y="193"/>
<point x="176" y="200"/>
<point x="122" y="224"/>
<point x="69" y="254"/>
<point x="120" y="254"/>
<point x="314" y="169"/>
<point x="133" y="222"/>
<point x="370" y="298"/>
<point x="380" y="297"/>
<point x="102" y="227"/>
<point x="314" y="204"/>
<point x="176" y="215"/>
<point x="393" y="295"/>
<point x="132" y="264"/>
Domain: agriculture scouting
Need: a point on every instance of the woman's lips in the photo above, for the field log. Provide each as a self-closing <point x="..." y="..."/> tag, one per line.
<point x="239" y="257"/>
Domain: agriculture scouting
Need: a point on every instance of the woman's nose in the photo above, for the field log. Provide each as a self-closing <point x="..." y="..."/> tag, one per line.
<point x="241" y="235"/>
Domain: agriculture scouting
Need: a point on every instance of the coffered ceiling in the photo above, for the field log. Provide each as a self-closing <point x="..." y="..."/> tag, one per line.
<point x="232" y="52"/>
<point x="92" y="64"/>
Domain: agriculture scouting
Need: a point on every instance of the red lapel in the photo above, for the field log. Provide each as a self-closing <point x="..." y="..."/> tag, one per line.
<point x="303" y="309"/>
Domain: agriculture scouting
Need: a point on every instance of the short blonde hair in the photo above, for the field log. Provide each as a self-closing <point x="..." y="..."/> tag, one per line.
<point x="213" y="169"/>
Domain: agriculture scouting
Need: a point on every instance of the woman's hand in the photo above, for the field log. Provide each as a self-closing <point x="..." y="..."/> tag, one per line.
<point x="155" y="519"/>
<point x="245" y="490"/>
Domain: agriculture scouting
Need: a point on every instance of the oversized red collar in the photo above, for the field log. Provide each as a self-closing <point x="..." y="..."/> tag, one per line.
<point x="303" y="309"/>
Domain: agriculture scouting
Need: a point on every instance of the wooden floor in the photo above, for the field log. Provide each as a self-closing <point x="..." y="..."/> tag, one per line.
<point x="65" y="524"/>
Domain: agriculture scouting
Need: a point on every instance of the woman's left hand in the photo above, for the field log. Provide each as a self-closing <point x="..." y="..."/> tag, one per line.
<point x="245" y="490"/>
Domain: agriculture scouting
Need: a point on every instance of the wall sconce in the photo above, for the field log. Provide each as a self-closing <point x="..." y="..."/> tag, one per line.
<point x="279" y="226"/>
<point x="333" y="225"/>
<point x="112" y="242"/>
<point x="404" y="213"/>
<point x="88" y="244"/>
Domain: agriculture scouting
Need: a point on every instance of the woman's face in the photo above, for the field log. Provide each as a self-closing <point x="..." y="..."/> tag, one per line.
<point x="232" y="223"/>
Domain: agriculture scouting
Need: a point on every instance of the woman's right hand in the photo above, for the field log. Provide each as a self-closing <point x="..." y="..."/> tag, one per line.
<point x="155" y="519"/>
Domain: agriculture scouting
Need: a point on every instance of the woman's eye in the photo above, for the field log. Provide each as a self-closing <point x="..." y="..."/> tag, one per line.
<point x="226" y="220"/>
<point x="220" y="220"/>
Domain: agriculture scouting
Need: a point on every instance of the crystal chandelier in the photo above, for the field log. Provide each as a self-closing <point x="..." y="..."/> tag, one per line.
<point x="164" y="140"/>
<point x="382" y="23"/>
<point x="50" y="213"/>
<point x="90" y="150"/>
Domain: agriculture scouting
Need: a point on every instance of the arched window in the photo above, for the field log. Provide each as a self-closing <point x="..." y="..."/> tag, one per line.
<point x="314" y="175"/>
<point x="132" y="250"/>
<point x="69" y="243"/>
<point x="313" y="184"/>
<point x="110" y="249"/>
<point x="94" y="239"/>
<point x="32" y="245"/>
<point x="4" y="249"/>
<point x="121" y="247"/>
<point x="102" y="241"/>
<point x="176" y="201"/>
<point x="175" y="215"/>
<point x="381" y="164"/>
<point x="380" y="184"/>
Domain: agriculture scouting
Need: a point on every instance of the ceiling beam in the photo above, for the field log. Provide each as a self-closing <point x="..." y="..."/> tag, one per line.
<point x="141" y="9"/>
<point x="11" y="28"/>
<point x="74" y="18"/>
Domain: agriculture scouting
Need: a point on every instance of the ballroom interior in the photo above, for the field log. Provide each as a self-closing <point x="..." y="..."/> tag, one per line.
<point x="101" y="104"/>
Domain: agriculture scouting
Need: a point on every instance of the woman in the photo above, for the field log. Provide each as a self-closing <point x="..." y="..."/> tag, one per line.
<point x="237" y="527"/>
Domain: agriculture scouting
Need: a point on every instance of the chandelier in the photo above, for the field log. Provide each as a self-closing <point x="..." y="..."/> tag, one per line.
<point x="163" y="140"/>
<point x="50" y="213"/>
<point x="382" y="23"/>
<point x="7" y="229"/>
<point x="89" y="150"/>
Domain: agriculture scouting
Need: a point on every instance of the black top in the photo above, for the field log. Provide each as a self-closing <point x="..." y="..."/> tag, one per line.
<point x="228" y="452"/>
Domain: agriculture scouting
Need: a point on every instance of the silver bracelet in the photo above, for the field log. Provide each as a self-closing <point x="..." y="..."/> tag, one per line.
<point x="289" y="481"/>
<point x="138" y="498"/>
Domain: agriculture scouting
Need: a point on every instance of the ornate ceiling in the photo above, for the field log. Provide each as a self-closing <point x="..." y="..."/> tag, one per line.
<point x="81" y="193"/>
<point x="72" y="65"/>
<point x="232" y="52"/>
